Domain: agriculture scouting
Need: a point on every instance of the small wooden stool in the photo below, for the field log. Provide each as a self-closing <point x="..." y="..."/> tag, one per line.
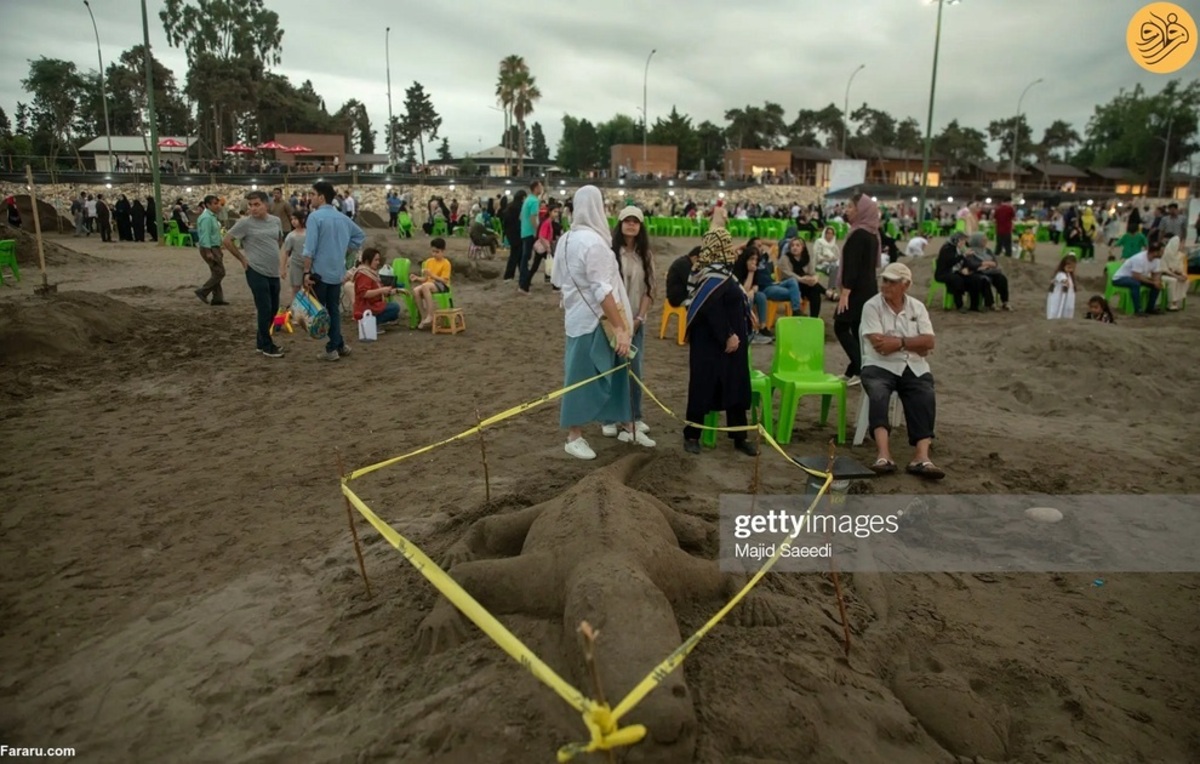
<point x="449" y="321"/>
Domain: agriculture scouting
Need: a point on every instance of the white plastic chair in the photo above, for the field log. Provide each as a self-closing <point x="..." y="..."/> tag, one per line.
<point x="895" y="416"/>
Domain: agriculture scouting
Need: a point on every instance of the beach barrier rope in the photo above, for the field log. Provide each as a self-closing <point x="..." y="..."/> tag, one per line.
<point x="601" y="720"/>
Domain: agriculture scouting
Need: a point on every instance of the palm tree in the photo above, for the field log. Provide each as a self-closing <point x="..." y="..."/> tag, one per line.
<point x="511" y="68"/>
<point x="525" y="94"/>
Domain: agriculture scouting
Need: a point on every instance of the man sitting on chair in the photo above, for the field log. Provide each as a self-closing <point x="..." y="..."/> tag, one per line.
<point x="897" y="336"/>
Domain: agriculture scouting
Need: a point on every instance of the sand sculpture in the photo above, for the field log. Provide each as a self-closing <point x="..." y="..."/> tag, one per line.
<point x="613" y="556"/>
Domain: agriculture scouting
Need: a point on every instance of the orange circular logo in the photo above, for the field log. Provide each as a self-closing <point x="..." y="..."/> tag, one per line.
<point x="1161" y="38"/>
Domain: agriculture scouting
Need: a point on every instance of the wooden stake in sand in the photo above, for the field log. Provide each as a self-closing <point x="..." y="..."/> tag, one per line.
<point x="837" y="584"/>
<point x="45" y="289"/>
<point x="362" y="567"/>
<point x="487" y="481"/>
<point x="589" y="635"/>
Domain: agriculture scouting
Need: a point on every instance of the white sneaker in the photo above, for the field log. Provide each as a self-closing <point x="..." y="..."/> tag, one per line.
<point x="642" y="426"/>
<point x="852" y="381"/>
<point x="636" y="437"/>
<point x="609" y="430"/>
<point x="580" y="449"/>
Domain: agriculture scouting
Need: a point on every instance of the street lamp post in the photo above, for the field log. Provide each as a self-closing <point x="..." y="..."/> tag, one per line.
<point x="846" y="107"/>
<point x="937" y="41"/>
<point x="1162" y="178"/>
<point x="387" y="57"/>
<point x="103" y="92"/>
<point x="153" y="120"/>
<point x="1012" y="163"/>
<point x="645" y="114"/>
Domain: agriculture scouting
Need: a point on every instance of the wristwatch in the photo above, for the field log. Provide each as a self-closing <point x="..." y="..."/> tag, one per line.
<point x="902" y="345"/>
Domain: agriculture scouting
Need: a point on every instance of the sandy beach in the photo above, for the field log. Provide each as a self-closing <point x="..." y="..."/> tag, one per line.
<point x="178" y="581"/>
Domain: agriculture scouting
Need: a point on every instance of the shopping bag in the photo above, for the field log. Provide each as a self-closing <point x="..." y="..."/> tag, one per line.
<point x="315" y="317"/>
<point x="367" y="327"/>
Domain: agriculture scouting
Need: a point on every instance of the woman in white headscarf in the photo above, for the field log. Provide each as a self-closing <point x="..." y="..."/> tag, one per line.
<point x="593" y="295"/>
<point x="1174" y="273"/>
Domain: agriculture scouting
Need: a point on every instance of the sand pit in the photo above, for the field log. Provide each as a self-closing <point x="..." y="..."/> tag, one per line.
<point x="67" y="325"/>
<point x="194" y="595"/>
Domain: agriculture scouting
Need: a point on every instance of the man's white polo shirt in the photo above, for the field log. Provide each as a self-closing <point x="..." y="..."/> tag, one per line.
<point x="912" y="321"/>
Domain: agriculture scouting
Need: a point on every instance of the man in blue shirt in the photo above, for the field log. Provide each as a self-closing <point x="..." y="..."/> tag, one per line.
<point x="529" y="227"/>
<point x="329" y="237"/>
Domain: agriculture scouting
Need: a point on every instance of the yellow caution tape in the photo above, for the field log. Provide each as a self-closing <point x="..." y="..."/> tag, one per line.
<point x="601" y="721"/>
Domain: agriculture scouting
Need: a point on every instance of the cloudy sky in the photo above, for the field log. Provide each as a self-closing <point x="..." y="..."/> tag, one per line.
<point x="589" y="58"/>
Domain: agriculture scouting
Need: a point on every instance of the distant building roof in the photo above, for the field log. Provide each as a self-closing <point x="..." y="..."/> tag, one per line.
<point x="998" y="168"/>
<point x="497" y="153"/>
<point x="132" y="144"/>
<point x="1112" y="173"/>
<point x="815" y="153"/>
<point x="1052" y="170"/>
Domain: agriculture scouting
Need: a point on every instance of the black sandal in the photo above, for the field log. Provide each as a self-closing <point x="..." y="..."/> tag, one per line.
<point x="926" y="470"/>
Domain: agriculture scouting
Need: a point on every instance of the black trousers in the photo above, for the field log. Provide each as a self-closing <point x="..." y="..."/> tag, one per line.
<point x="813" y="294"/>
<point x="1000" y="282"/>
<point x="916" y="396"/>
<point x="514" y="258"/>
<point x="733" y="418"/>
<point x="266" y="302"/>
<point x="845" y="326"/>
<point x="958" y="285"/>
<point x="1004" y="243"/>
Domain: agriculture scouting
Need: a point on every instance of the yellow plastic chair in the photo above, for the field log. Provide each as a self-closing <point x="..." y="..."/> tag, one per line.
<point x="680" y="314"/>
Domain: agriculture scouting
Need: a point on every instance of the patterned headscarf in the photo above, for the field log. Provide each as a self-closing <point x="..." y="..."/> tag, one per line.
<point x="866" y="218"/>
<point x="716" y="248"/>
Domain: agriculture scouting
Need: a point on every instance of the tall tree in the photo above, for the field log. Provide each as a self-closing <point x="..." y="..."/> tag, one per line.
<point x="525" y="95"/>
<point x="355" y="123"/>
<point x="58" y="89"/>
<point x="959" y="146"/>
<point x="756" y="127"/>
<point x="676" y="130"/>
<point x="1002" y="131"/>
<point x="512" y="70"/>
<point x="816" y="128"/>
<point x="5" y="125"/>
<point x="23" y="126"/>
<point x="283" y="108"/>
<point x="712" y="145"/>
<point x="1057" y="140"/>
<point x="443" y="150"/>
<point x="420" y="117"/>
<point x="537" y="145"/>
<point x="125" y="82"/>
<point x="1131" y="131"/>
<point x="229" y="44"/>
<point x="876" y="131"/>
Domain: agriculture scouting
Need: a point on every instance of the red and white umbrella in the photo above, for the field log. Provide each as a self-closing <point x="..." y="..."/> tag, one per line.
<point x="298" y="150"/>
<point x="272" y="146"/>
<point x="171" y="143"/>
<point x="240" y="148"/>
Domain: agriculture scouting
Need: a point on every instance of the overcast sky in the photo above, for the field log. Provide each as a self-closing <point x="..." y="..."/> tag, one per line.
<point x="711" y="56"/>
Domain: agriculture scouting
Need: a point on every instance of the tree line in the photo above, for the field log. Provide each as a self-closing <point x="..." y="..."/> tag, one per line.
<point x="229" y="94"/>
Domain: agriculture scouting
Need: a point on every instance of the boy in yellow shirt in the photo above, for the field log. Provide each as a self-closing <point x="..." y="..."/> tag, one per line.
<point x="434" y="278"/>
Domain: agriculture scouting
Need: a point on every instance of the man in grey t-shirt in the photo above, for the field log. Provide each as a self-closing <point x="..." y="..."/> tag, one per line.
<point x="260" y="235"/>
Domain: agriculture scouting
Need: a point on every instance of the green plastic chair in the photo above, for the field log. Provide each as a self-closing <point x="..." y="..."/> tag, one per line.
<point x="1076" y="251"/>
<point x="173" y="236"/>
<point x="1110" y="289"/>
<point x="402" y="267"/>
<point x="930" y="228"/>
<point x="439" y="227"/>
<point x="798" y="369"/>
<point x="930" y="296"/>
<point x="404" y="225"/>
<point x="8" y="257"/>
<point x="761" y="400"/>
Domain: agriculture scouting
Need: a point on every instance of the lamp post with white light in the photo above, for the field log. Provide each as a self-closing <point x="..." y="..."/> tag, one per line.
<point x="846" y="106"/>
<point x="103" y="92"/>
<point x="645" y="114"/>
<point x="1012" y="164"/>
<point x="937" y="41"/>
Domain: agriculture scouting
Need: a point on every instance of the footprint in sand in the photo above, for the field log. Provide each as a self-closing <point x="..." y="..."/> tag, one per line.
<point x="1021" y="393"/>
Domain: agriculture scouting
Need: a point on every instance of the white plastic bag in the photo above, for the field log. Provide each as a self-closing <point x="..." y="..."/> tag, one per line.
<point x="367" y="331"/>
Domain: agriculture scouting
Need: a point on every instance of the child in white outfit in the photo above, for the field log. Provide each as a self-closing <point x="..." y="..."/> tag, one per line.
<point x="1060" y="303"/>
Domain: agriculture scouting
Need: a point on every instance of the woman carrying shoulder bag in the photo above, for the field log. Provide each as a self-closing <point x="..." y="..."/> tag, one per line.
<point x="598" y="322"/>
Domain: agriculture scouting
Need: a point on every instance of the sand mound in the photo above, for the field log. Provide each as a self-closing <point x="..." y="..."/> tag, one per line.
<point x="27" y="250"/>
<point x="65" y="325"/>
<point x="369" y="219"/>
<point x="47" y="215"/>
